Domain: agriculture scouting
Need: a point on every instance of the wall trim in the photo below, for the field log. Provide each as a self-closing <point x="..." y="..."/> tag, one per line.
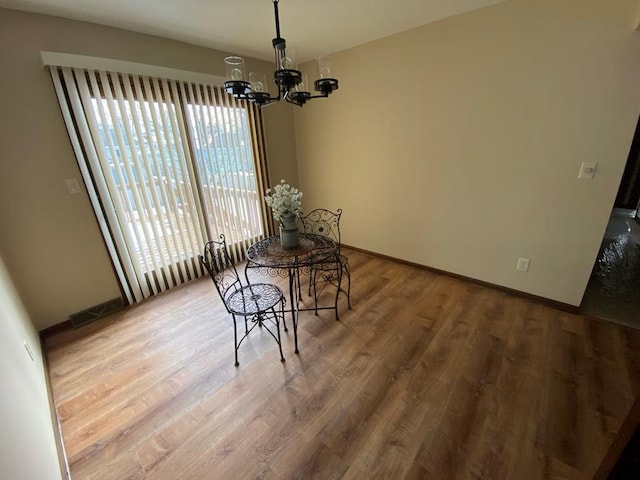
<point x="63" y="461"/>
<point x="55" y="329"/>
<point x="529" y="296"/>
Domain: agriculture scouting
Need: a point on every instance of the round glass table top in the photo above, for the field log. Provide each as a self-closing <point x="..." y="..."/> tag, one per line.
<point x="313" y="248"/>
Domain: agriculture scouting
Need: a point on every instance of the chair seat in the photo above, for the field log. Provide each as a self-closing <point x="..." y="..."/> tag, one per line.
<point x="254" y="298"/>
<point x="330" y="263"/>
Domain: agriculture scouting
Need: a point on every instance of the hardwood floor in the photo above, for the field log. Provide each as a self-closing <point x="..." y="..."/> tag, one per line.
<point x="426" y="377"/>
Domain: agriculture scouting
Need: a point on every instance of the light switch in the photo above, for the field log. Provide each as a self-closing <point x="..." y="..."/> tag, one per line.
<point x="587" y="169"/>
<point x="523" y="264"/>
<point x="73" y="186"/>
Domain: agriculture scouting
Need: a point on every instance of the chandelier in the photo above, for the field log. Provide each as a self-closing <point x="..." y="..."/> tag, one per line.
<point x="291" y="83"/>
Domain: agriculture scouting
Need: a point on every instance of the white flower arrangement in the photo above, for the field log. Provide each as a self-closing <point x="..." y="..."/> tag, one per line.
<point x="284" y="200"/>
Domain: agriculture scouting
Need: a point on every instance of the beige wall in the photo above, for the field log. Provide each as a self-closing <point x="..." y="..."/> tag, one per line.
<point x="27" y="442"/>
<point x="279" y="132"/>
<point x="49" y="239"/>
<point x="457" y="145"/>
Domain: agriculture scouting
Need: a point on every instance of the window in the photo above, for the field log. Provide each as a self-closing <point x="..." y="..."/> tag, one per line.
<point x="169" y="164"/>
<point x="224" y="160"/>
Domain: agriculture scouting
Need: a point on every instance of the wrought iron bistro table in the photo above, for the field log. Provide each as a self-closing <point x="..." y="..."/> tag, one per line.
<point x="269" y="257"/>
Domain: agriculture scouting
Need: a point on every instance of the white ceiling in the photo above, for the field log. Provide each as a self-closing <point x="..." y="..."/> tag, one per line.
<point x="246" y="27"/>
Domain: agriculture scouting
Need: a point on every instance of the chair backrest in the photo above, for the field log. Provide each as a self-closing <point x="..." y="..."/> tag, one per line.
<point x="323" y="222"/>
<point x="217" y="261"/>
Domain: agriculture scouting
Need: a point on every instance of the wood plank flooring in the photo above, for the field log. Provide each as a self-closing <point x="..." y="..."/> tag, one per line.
<point x="426" y="377"/>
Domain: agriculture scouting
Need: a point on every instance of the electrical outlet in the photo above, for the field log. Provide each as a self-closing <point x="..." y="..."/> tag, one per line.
<point x="523" y="264"/>
<point x="587" y="169"/>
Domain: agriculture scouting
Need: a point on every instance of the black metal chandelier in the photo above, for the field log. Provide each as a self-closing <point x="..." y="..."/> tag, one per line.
<point x="292" y="86"/>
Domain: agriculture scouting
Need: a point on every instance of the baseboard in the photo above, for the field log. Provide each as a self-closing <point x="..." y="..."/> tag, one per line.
<point x="55" y="420"/>
<point x="84" y="317"/>
<point x="546" y="301"/>
<point x="96" y="312"/>
<point x="55" y="329"/>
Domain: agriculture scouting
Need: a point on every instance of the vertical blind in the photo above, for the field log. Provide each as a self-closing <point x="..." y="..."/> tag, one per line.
<point x="167" y="166"/>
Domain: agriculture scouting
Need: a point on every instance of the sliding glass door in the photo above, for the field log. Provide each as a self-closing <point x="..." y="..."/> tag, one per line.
<point x="170" y="165"/>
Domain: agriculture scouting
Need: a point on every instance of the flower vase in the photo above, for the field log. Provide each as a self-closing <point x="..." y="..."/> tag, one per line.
<point x="289" y="237"/>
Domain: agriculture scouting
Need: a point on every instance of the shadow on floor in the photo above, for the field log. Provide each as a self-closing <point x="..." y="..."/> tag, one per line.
<point x="628" y="466"/>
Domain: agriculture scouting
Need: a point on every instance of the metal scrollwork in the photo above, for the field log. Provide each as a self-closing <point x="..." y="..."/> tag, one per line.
<point x="268" y="255"/>
<point x="323" y="222"/>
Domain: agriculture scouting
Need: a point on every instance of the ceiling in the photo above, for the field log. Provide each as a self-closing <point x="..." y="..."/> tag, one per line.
<point x="246" y="27"/>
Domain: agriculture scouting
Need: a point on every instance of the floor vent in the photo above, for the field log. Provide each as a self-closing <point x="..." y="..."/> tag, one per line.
<point x="96" y="312"/>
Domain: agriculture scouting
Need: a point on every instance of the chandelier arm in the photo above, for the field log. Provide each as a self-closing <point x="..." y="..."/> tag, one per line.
<point x="279" y="97"/>
<point x="293" y="102"/>
<point x="262" y="100"/>
<point x="265" y="101"/>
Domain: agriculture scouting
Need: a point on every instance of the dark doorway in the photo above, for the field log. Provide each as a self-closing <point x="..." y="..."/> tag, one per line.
<point x="613" y="291"/>
<point x="629" y="191"/>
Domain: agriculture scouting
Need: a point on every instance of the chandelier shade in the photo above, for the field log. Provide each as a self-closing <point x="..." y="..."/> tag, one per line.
<point x="291" y="83"/>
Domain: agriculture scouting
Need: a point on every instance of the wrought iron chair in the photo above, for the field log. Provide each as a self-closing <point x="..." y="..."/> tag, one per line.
<point x="255" y="302"/>
<point x="330" y="271"/>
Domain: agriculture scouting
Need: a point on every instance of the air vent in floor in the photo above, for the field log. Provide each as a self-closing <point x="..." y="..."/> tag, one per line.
<point x="96" y="312"/>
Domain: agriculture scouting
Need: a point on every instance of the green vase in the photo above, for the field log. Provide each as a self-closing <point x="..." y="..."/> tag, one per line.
<point x="289" y="221"/>
<point x="289" y="237"/>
